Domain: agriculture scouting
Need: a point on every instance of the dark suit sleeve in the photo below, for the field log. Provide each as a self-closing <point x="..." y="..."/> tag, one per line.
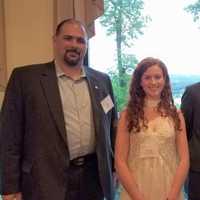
<point x="187" y="109"/>
<point x="11" y="132"/>
<point x="114" y="118"/>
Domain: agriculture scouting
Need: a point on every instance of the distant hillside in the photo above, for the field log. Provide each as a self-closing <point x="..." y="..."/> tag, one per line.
<point x="179" y="82"/>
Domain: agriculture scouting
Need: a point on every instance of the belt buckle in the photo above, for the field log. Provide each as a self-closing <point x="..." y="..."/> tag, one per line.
<point x="79" y="161"/>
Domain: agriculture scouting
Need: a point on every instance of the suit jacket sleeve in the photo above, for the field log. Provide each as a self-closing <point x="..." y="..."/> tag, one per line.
<point x="114" y="118"/>
<point x="11" y="134"/>
<point x="187" y="109"/>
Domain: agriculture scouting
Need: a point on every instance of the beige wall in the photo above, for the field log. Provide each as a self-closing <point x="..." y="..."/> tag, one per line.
<point x="2" y="53"/>
<point x="2" y="48"/>
<point x="1" y="98"/>
<point x="28" y="29"/>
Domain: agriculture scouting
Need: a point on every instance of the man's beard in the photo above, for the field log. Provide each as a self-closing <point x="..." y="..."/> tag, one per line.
<point x="70" y="60"/>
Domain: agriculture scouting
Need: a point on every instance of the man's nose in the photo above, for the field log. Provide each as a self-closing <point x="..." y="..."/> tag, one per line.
<point x="74" y="42"/>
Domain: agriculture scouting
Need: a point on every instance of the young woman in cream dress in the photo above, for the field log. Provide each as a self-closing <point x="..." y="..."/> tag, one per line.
<point x="151" y="153"/>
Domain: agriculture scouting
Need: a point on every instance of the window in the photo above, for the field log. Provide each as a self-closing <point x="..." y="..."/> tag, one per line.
<point x="173" y="38"/>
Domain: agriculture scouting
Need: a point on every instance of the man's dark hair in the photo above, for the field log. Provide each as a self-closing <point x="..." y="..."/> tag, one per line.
<point x="67" y="21"/>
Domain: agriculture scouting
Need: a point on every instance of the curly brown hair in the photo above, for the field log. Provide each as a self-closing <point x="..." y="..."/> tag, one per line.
<point x="134" y="109"/>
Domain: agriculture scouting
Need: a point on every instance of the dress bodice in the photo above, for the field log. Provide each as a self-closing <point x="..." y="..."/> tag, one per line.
<point x="157" y="140"/>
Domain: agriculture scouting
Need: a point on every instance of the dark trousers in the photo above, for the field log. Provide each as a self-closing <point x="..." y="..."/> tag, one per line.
<point x="83" y="181"/>
<point x="193" y="185"/>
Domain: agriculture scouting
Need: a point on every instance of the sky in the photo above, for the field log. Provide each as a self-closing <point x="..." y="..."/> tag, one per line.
<point x="171" y="36"/>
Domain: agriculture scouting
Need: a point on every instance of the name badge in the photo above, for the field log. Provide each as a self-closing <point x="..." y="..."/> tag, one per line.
<point x="107" y="104"/>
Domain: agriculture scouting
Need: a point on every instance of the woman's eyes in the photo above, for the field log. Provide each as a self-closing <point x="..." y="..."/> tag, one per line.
<point x="156" y="77"/>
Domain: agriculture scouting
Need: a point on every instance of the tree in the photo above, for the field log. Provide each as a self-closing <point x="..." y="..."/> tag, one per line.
<point x="121" y="92"/>
<point x="124" y="20"/>
<point x="194" y="9"/>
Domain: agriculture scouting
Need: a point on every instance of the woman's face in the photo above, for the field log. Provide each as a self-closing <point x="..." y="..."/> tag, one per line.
<point x="153" y="82"/>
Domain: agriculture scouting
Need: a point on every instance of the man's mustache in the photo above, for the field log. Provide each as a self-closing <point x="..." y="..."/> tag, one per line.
<point x="73" y="50"/>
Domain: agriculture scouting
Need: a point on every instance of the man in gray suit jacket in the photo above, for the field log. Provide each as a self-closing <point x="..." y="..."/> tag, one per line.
<point x="57" y="126"/>
<point x="191" y="110"/>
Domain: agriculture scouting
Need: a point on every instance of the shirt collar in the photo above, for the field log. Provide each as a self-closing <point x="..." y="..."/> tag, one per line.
<point x="60" y="73"/>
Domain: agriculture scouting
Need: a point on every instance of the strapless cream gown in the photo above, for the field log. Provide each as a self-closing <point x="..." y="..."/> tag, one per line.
<point x="153" y="159"/>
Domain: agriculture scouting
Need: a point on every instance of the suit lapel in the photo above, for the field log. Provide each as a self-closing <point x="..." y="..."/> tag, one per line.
<point x="96" y="95"/>
<point x="51" y="90"/>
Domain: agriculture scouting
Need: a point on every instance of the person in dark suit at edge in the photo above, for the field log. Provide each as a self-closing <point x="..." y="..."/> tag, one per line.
<point x="190" y="106"/>
<point x="58" y="123"/>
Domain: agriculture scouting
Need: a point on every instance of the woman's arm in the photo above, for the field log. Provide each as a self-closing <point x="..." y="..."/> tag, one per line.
<point x="183" y="166"/>
<point x="121" y="157"/>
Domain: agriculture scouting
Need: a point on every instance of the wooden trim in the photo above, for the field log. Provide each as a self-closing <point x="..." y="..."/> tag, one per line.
<point x="63" y="10"/>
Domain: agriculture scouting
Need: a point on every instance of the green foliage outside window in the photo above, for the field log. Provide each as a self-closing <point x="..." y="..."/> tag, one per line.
<point x="123" y="19"/>
<point x="194" y="9"/>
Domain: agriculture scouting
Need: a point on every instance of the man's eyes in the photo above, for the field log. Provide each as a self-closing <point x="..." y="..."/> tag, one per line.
<point x="67" y="37"/>
<point x="78" y="39"/>
<point x="81" y="40"/>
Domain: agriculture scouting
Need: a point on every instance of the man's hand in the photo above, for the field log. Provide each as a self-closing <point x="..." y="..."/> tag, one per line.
<point x="16" y="196"/>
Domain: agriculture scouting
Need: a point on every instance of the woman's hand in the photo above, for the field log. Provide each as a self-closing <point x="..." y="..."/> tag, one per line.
<point x="15" y="196"/>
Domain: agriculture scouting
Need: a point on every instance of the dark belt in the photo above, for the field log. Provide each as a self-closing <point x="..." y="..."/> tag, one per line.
<point x="82" y="160"/>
